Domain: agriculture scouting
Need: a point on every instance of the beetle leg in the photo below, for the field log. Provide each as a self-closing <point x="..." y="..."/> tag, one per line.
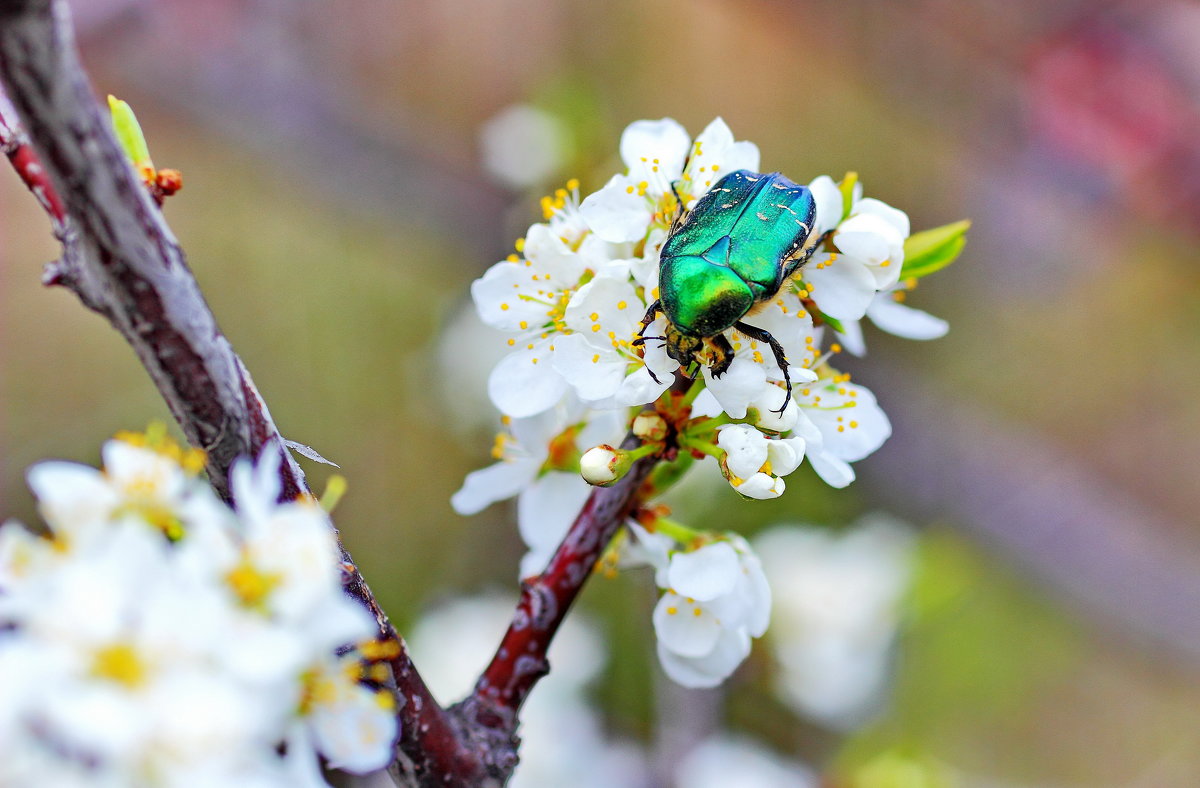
<point x="762" y="335"/>
<point x="679" y="213"/>
<point x="640" y="339"/>
<point x="722" y="354"/>
<point x="647" y="319"/>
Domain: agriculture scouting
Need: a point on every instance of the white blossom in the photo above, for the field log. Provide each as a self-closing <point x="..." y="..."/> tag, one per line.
<point x="837" y="608"/>
<point x="756" y="464"/>
<point x="547" y="499"/>
<point x="159" y="638"/>
<point x="716" y="600"/>
<point x="869" y="240"/>
<point x="523" y="145"/>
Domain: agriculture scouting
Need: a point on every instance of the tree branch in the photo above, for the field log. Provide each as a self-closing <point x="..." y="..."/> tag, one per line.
<point x="121" y="259"/>
<point x="520" y="661"/>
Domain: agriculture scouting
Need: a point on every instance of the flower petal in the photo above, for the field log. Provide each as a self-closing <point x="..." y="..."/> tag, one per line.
<point x="548" y="506"/>
<point x="685" y="627"/>
<point x="745" y="449"/>
<point x="525" y="383"/>
<point x="843" y="289"/>
<point x="497" y="296"/>
<point x="617" y="213"/>
<point x="704" y="574"/>
<point x="494" y="483"/>
<point x="834" y="472"/>
<point x="828" y="198"/>
<point x="594" y="374"/>
<point x="904" y="321"/>
<point x="762" y="487"/>
<point x="741" y="384"/>
<point x="645" y="141"/>
<point x="711" y="669"/>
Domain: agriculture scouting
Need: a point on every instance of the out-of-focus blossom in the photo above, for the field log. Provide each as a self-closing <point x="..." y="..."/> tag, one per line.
<point x="724" y="761"/>
<point x="523" y="145"/>
<point x="563" y="737"/>
<point x="837" y="607"/>
<point x="159" y="638"/>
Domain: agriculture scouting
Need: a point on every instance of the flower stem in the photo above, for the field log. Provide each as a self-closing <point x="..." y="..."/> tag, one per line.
<point x="677" y="530"/>
<point x="702" y="446"/>
<point x="666" y="474"/>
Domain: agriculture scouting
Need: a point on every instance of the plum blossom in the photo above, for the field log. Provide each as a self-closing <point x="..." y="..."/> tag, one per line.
<point x="663" y="161"/>
<point x="538" y="462"/>
<point x="867" y="253"/>
<point x="716" y="600"/>
<point x="157" y="637"/>
<point x="755" y="464"/>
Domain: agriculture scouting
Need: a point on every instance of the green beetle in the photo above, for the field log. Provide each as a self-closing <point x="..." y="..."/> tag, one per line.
<point x="732" y="251"/>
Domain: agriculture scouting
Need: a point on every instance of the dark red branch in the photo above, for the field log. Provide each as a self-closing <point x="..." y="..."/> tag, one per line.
<point x="16" y="147"/>
<point x="520" y="662"/>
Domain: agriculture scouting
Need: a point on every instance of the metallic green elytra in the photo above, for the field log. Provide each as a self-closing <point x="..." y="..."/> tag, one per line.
<point x="733" y="250"/>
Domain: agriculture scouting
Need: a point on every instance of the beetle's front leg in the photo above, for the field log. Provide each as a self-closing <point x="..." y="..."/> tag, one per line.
<point x="647" y="319"/>
<point x="762" y="335"/>
<point x="722" y="354"/>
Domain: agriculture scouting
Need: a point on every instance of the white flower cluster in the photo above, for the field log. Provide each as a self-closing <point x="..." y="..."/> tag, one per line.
<point x="155" y="637"/>
<point x="715" y="599"/>
<point x="571" y="300"/>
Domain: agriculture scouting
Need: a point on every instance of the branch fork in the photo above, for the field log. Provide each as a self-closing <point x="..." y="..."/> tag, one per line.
<point x="121" y="260"/>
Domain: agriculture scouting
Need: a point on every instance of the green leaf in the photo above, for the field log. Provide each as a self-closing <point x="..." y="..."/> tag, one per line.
<point x="847" y="189"/>
<point x="833" y="322"/>
<point x="129" y="134"/>
<point x="933" y="250"/>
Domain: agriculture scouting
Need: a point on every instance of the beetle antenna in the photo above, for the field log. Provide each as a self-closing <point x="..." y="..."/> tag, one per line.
<point x="642" y="340"/>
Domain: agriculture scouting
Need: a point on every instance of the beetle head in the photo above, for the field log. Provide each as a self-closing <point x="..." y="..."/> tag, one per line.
<point x="682" y="347"/>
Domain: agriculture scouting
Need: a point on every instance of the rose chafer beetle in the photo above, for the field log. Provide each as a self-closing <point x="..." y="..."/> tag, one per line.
<point x="733" y="251"/>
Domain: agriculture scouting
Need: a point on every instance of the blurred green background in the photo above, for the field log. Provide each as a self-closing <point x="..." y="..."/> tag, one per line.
<point x="336" y="207"/>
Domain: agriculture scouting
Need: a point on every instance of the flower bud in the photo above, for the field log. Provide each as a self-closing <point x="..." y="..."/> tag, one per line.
<point x="650" y="426"/>
<point x="600" y="465"/>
